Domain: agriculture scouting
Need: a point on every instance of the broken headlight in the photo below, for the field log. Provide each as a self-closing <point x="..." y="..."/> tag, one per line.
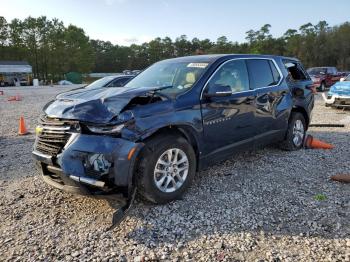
<point x="113" y="129"/>
<point x="106" y="129"/>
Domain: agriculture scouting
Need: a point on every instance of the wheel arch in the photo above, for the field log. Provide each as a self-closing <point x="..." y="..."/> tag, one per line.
<point x="302" y="110"/>
<point x="185" y="131"/>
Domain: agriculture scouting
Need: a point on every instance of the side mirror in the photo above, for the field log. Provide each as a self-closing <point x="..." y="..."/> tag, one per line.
<point x="218" y="91"/>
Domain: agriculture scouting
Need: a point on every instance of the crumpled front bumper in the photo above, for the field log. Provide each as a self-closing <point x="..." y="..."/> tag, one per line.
<point x="72" y="170"/>
<point x="336" y="100"/>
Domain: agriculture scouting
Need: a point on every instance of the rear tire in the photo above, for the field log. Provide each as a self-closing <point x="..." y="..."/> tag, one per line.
<point x="166" y="168"/>
<point x="295" y="135"/>
<point x="322" y="87"/>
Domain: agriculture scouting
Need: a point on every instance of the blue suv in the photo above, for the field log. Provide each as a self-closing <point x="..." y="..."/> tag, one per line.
<point x="173" y="119"/>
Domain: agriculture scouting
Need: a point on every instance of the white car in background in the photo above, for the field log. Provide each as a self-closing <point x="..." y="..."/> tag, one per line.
<point x="339" y="94"/>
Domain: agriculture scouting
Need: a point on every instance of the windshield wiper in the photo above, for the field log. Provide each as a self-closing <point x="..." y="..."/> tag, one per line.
<point x="162" y="88"/>
<point x="156" y="90"/>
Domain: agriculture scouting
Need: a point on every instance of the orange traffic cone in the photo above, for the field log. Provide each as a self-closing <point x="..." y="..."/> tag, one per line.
<point x="313" y="143"/>
<point x="22" y="130"/>
<point x="11" y="98"/>
<point x="341" y="178"/>
<point x="14" y="98"/>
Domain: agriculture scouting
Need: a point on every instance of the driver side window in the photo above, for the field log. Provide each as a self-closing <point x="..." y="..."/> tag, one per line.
<point x="233" y="74"/>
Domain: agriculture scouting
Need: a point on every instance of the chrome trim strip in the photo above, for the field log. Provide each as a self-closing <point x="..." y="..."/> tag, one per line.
<point x="224" y="92"/>
<point x="71" y="139"/>
<point x="87" y="180"/>
<point x="245" y="58"/>
<point x="65" y="128"/>
<point x="41" y="154"/>
<point x="60" y="132"/>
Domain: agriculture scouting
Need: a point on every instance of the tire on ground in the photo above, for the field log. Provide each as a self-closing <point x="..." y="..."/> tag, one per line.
<point x="154" y="148"/>
<point x="287" y="143"/>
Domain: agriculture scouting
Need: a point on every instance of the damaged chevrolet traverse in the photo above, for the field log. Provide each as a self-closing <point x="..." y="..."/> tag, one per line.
<point x="175" y="118"/>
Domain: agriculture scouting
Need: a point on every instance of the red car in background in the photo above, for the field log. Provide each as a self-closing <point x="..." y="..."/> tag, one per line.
<point x="324" y="77"/>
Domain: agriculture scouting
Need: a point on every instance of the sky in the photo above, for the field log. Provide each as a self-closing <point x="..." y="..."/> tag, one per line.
<point x="125" y="22"/>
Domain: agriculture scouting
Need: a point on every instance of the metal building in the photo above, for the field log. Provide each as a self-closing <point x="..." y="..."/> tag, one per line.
<point x="15" y="73"/>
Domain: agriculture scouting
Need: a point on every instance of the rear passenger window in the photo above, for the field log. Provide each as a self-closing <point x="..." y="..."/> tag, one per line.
<point x="276" y="75"/>
<point x="260" y="73"/>
<point x="295" y="71"/>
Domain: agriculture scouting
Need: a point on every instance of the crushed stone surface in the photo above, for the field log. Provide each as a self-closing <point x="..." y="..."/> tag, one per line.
<point x="264" y="205"/>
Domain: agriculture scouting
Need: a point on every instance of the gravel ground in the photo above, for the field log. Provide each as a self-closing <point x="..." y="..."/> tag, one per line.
<point x="267" y="205"/>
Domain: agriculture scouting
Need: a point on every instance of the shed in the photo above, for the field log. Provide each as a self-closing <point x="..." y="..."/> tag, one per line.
<point x="15" y="73"/>
<point x="15" y="67"/>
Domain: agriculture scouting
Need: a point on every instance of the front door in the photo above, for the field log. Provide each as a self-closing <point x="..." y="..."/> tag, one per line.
<point x="228" y="122"/>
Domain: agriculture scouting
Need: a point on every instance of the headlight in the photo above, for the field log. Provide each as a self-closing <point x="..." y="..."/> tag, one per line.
<point x="106" y="129"/>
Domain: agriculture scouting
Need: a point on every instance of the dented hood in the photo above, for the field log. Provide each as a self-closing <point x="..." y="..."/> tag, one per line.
<point x="93" y="105"/>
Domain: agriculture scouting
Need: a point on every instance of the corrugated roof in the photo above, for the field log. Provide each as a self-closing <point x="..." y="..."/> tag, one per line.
<point x="15" y="67"/>
<point x="4" y="62"/>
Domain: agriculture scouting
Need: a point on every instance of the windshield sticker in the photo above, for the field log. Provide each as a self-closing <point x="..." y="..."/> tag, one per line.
<point x="198" y="65"/>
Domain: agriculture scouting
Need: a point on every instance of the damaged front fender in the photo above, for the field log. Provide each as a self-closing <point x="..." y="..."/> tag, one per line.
<point x="99" y="155"/>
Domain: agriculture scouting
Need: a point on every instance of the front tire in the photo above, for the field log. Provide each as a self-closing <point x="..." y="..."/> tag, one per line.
<point x="166" y="168"/>
<point x="296" y="132"/>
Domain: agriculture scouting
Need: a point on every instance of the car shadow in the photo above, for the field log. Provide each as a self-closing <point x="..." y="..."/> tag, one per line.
<point x="268" y="191"/>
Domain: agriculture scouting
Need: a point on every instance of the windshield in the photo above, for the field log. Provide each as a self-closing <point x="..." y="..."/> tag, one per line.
<point x="178" y="77"/>
<point x="317" y="71"/>
<point x="347" y="78"/>
<point x="100" y="82"/>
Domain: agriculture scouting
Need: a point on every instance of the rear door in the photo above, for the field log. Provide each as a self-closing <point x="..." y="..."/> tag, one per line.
<point x="273" y="100"/>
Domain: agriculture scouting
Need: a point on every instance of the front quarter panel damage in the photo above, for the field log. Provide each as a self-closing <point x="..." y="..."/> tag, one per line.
<point x="74" y="158"/>
<point x="148" y="119"/>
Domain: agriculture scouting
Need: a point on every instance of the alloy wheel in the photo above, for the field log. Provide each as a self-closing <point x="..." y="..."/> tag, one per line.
<point x="171" y="170"/>
<point x="298" y="133"/>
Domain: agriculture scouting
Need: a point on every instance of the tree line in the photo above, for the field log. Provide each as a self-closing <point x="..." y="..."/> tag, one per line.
<point x="54" y="49"/>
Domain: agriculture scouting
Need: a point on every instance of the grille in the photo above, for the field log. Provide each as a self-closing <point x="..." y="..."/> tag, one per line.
<point x="54" y="135"/>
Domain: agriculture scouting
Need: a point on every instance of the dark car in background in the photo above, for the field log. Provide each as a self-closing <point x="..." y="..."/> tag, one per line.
<point x="132" y="72"/>
<point x="324" y="77"/>
<point x="175" y="118"/>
